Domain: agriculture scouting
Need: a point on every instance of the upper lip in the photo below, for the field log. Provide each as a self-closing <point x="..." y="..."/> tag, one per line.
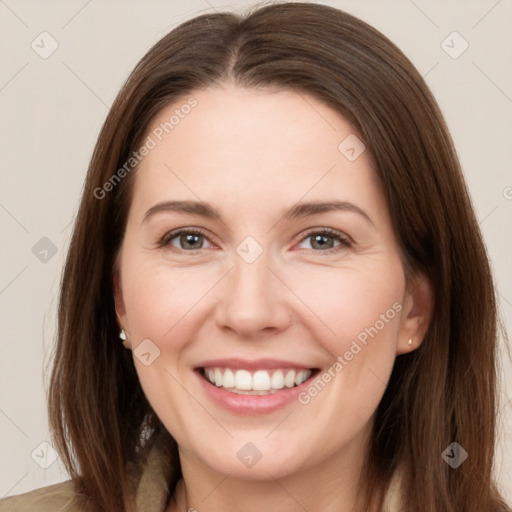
<point x="252" y="364"/>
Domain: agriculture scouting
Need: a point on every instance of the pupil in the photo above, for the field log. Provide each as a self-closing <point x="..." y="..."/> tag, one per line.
<point x="322" y="239"/>
<point x="190" y="238"/>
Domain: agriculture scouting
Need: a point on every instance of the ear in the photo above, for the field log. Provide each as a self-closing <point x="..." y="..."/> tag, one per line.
<point x="120" y="307"/>
<point x="417" y="313"/>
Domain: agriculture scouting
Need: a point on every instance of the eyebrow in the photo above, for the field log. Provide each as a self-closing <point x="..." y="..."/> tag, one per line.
<point x="299" y="210"/>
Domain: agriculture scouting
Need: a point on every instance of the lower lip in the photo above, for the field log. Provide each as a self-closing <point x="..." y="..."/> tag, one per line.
<point x="252" y="404"/>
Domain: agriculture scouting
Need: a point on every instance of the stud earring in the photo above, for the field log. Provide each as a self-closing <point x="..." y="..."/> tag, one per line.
<point x="122" y="335"/>
<point x="410" y="342"/>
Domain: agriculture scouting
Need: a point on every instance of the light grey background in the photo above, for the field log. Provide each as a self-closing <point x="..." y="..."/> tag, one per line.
<point x="52" y="109"/>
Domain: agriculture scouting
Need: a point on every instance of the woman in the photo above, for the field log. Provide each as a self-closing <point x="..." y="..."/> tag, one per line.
<point x="276" y="227"/>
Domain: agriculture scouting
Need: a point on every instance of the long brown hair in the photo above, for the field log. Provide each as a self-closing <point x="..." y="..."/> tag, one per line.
<point x="445" y="391"/>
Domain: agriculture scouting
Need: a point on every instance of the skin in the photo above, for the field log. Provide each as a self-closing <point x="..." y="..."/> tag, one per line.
<point x="252" y="153"/>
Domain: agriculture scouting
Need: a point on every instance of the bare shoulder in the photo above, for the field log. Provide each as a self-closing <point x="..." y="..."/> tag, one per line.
<point x="53" y="498"/>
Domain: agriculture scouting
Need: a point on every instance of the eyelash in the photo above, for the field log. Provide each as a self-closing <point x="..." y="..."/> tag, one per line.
<point x="345" y="242"/>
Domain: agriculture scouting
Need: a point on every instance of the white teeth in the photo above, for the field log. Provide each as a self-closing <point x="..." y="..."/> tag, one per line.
<point x="218" y="377"/>
<point x="229" y="379"/>
<point x="289" y="380"/>
<point x="277" y="381"/>
<point x="301" y="377"/>
<point x="260" y="382"/>
<point x="243" y="380"/>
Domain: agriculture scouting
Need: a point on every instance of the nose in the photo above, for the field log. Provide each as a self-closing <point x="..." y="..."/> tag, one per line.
<point x="252" y="300"/>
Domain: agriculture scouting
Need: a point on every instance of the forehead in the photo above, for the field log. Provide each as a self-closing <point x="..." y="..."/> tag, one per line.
<point x="244" y="145"/>
<point x="242" y="122"/>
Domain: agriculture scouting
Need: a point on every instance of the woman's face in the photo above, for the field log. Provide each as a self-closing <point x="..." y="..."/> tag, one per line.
<point x="260" y="298"/>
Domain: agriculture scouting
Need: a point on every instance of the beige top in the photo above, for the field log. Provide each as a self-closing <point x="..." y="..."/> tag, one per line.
<point x="152" y="493"/>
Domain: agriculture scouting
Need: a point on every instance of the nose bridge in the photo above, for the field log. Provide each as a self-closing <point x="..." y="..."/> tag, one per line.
<point x="252" y="298"/>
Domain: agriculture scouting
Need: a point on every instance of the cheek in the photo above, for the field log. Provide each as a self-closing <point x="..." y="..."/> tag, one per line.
<point x="158" y="299"/>
<point x="360" y="312"/>
<point x="354" y="303"/>
<point x="162" y="306"/>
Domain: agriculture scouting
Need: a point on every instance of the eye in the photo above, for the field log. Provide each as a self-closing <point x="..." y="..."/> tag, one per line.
<point x="185" y="239"/>
<point x="324" y="240"/>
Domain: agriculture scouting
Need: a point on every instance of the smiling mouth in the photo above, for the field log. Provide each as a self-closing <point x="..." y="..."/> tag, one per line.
<point x="259" y="382"/>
